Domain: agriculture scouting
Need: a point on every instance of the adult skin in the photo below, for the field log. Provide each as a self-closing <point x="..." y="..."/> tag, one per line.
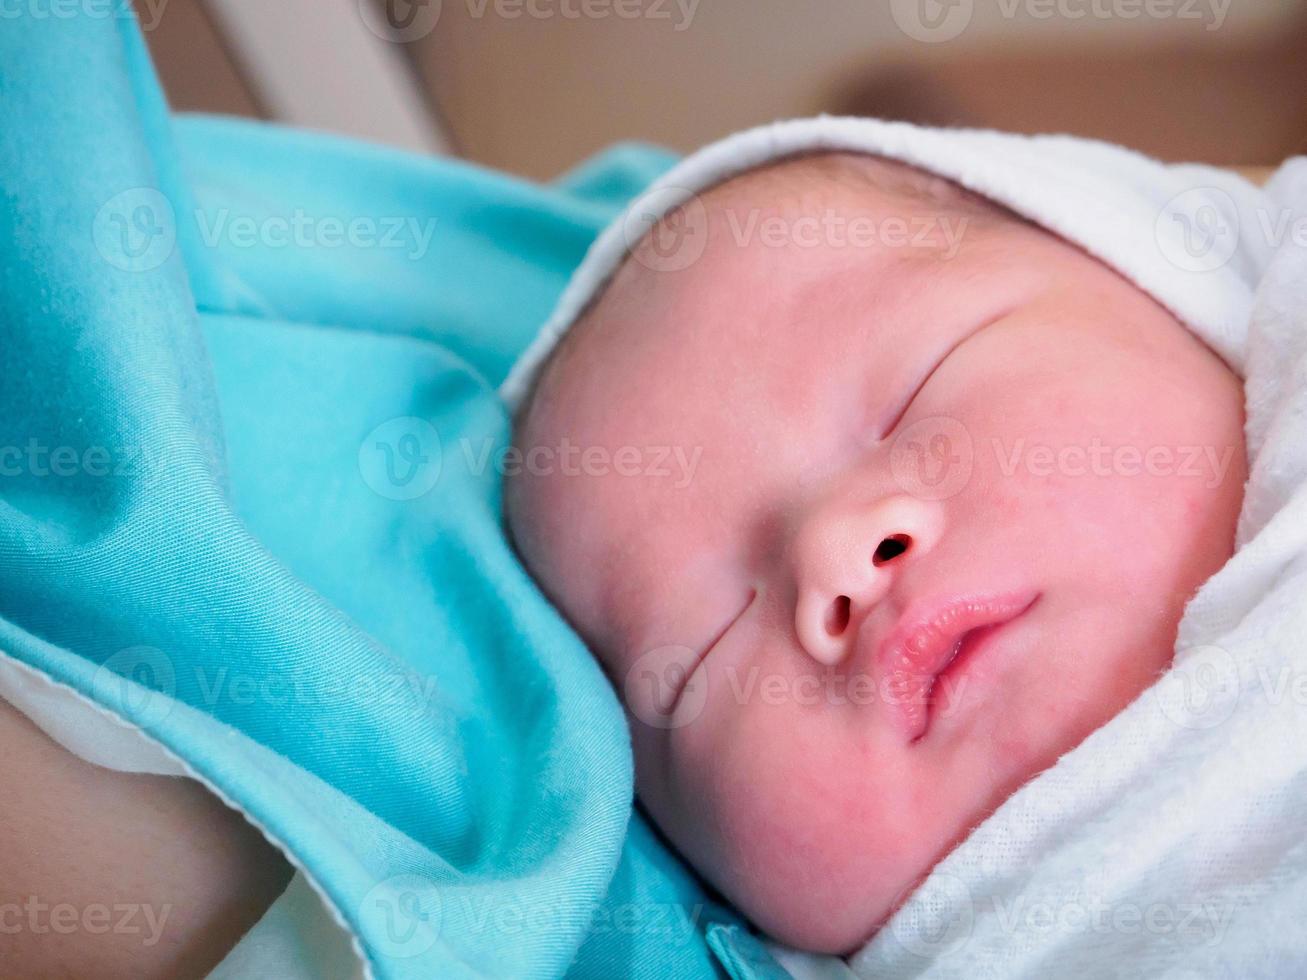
<point x="111" y="874"/>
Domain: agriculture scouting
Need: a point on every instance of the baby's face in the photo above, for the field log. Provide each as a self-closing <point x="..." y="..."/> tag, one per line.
<point x="926" y="520"/>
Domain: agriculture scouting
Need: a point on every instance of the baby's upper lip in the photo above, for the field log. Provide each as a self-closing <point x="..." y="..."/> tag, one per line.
<point x="924" y="641"/>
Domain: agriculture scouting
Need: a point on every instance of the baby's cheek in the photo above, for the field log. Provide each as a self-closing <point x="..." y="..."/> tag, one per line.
<point x="1073" y="493"/>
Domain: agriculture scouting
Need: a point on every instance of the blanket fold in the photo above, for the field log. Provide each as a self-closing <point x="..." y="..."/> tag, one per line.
<point x="249" y="504"/>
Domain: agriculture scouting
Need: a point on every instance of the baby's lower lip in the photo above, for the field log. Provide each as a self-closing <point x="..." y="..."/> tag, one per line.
<point x="933" y="648"/>
<point x="947" y="685"/>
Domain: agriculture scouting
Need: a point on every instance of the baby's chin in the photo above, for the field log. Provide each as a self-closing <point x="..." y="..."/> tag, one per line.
<point x="821" y="918"/>
<point x="835" y="904"/>
<point x="803" y="871"/>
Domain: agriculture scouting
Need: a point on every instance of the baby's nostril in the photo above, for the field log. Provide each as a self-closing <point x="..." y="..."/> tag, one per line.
<point x="891" y="548"/>
<point x="837" y="616"/>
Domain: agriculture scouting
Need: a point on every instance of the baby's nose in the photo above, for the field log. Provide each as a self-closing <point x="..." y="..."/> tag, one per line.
<point x="846" y="555"/>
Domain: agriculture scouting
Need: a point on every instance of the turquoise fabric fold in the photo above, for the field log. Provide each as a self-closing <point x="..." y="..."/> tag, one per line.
<point x="249" y="502"/>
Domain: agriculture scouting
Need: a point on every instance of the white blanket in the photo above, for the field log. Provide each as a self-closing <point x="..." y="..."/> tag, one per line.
<point x="1173" y="842"/>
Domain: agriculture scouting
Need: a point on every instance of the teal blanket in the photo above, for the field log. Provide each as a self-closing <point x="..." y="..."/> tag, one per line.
<point x="250" y="457"/>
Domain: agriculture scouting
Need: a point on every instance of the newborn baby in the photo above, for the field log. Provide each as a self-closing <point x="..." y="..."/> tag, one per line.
<point x="953" y="491"/>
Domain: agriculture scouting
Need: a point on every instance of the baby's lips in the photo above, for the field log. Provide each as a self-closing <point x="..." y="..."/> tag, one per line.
<point x="926" y="640"/>
<point x="663" y="687"/>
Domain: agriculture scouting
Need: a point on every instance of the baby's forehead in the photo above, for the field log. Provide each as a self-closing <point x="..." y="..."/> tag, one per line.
<point x="840" y="206"/>
<point x="784" y="242"/>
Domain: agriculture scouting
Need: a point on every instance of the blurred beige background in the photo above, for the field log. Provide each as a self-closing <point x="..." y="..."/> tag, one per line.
<point x="533" y="86"/>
